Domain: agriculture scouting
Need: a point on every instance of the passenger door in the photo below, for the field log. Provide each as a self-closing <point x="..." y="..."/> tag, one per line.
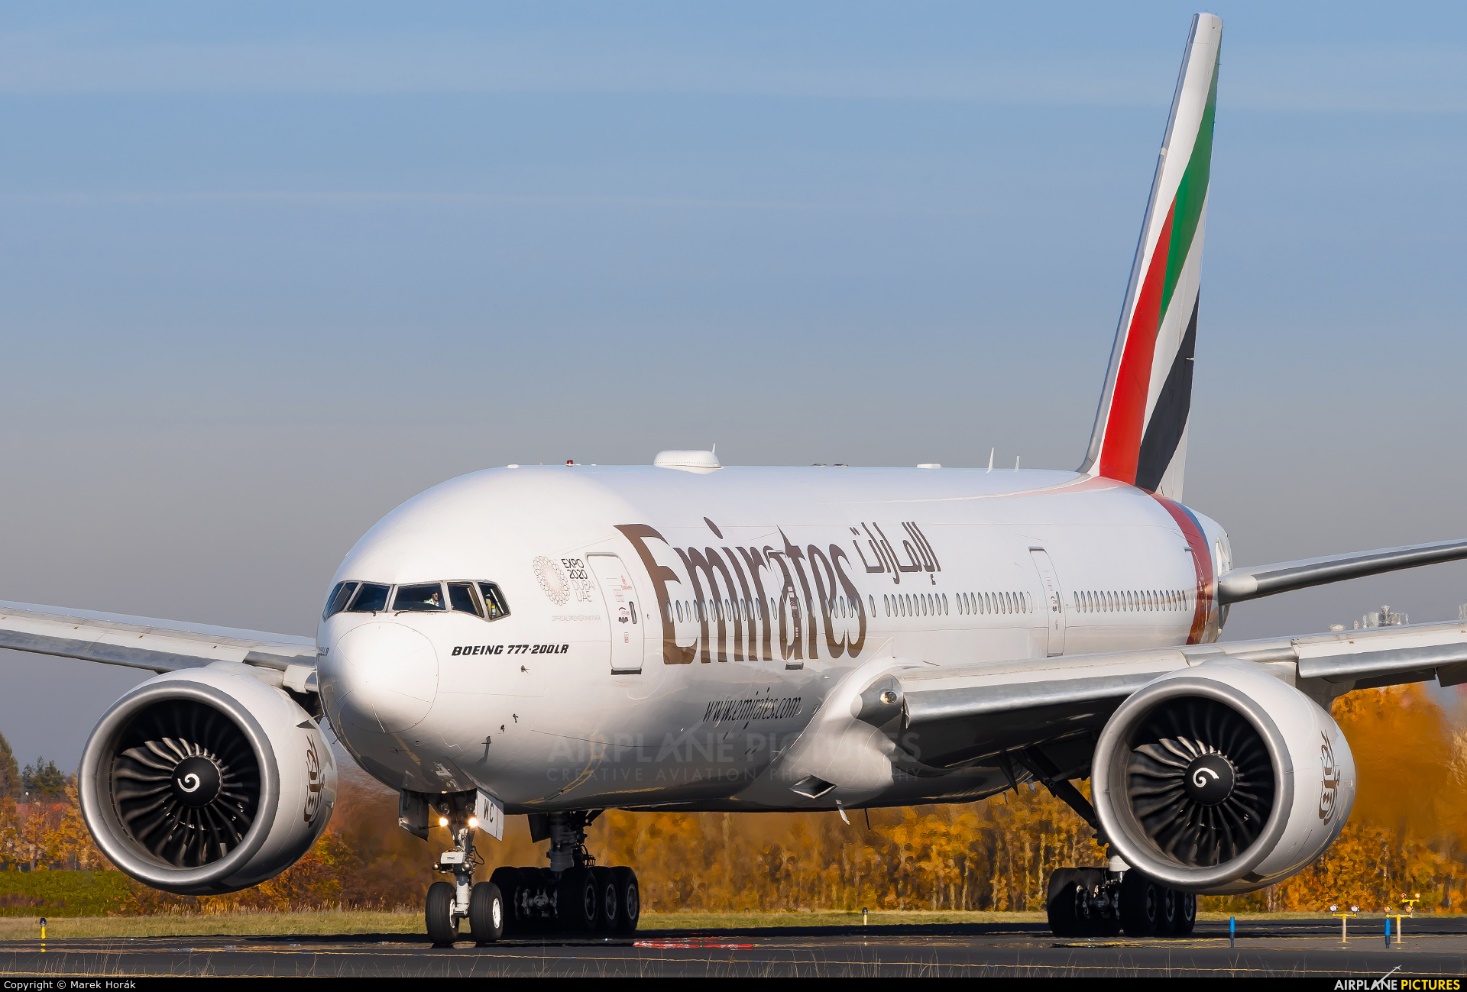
<point x="619" y="597"/>
<point x="1054" y="601"/>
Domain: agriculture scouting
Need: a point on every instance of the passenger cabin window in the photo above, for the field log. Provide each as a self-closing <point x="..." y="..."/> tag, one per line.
<point x="425" y="597"/>
<point x="340" y="596"/>
<point x="371" y="598"/>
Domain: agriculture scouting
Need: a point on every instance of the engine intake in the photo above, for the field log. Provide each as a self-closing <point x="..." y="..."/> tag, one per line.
<point x="185" y="782"/>
<point x="206" y="781"/>
<point x="1221" y="778"/>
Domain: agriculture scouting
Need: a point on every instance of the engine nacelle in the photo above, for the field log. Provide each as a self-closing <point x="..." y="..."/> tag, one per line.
<point x="1221" y="778"/>
<point x="206" y="781"/>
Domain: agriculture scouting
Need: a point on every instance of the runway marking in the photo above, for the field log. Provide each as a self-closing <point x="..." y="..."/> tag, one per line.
<point x="692" y="943"/>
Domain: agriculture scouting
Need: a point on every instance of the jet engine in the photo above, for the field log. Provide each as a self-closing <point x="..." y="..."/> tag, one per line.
<point x="206" y="781"/>
<point x="1221" y="778"/>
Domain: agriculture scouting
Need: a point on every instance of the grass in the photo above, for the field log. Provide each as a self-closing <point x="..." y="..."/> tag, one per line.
<point x="321" y="922"/>
<point x="309" y="923"/>
<point x="29" y="894"/>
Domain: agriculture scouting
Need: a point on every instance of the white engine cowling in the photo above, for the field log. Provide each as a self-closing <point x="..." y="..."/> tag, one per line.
<point x="206" y="781"/>
<point x="1221" y="778"/>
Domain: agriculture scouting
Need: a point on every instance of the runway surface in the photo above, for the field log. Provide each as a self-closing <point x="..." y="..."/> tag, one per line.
<point x="1272" y="948"/>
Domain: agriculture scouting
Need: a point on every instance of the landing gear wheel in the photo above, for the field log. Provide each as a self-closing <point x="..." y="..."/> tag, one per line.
<point x="1166" y="911"/>
<point x="508" y="880"/>
<point x="607" y="905"/>
<point x="1186" y="917"/>
<point x="1141" y="905"/>
<point x="1096" y="909"/>
<point x="442" y="924"/>
<point x="628" y="900"/>
<point x="576" y="905"/>
<point x="1062" y="902"/>
<point x="486" y="913"/>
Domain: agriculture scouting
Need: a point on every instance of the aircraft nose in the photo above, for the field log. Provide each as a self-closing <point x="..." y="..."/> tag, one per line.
<point x="382" y="677"/>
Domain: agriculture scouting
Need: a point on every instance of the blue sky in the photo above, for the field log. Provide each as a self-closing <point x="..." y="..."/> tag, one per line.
<point x="270" y="269"/>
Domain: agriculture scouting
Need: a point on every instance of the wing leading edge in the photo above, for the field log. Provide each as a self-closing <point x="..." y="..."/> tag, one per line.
<point x="953" y="716"/>
<point x="1240" y="584"/>
<point x="153" y="645"/>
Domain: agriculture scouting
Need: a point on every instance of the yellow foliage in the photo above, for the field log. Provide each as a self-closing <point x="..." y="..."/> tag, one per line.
<point x="1405" y="831"/>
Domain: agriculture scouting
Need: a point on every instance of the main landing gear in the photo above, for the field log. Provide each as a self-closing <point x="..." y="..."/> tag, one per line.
<point x="1097" y="902"/>
<point x="573" y="895"/>
<point x="1101" y="902"/>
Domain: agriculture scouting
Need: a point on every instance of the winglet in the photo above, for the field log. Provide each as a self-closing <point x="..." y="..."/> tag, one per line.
<point x="1140" y="435"/>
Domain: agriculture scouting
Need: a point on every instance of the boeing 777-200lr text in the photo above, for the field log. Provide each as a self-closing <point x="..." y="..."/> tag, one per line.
<point x="558" y="641"/>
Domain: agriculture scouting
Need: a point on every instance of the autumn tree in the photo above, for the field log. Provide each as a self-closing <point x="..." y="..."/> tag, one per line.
<point x="43" y="782"/>
<point x="9" y="771"/>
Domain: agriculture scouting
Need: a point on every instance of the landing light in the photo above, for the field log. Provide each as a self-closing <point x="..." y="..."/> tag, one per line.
<point x="443" y="821"/>
<point x="473" y="823"/>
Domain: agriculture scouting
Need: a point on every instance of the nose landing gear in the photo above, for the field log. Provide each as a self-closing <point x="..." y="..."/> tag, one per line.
<point x="449" y="904"/>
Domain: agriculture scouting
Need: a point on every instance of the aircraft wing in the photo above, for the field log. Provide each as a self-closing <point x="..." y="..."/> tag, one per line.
<point x="1239" y="584"/>
<point x="950" y="716"/>
<point x="153" y="645"/>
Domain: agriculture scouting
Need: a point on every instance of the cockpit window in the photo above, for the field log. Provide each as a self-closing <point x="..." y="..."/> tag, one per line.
<point x="425" y="597"/>
<point x="482" y="599"/>
<point x="372" y="598"/>
<point x="340" y="596"/>
<point x="461" y="598"/>
<point x="494" y="605"/>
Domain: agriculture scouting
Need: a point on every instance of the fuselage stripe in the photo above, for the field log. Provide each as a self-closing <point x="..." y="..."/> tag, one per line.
<point x="1201" y="561"/>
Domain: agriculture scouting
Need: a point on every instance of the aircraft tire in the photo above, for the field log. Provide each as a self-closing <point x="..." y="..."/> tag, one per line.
<point x="509" y="882"/>
<point x="1061" y="902"/>
<point x="1186" y="916"/>
<point x="1141" y="905"/>
<point x="608" y="907"/>
<point x="576" y="901"/>
<point x="486" y="913"/>
<point x="628" y="900"/>
<point x="1166" y="910"/>
<point x="438" y="914"/>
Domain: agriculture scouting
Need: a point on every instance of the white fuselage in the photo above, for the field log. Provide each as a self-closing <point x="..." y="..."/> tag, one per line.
<point x="682" y="638"/>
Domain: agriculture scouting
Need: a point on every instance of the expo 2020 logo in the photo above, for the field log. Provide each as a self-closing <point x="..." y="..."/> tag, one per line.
<point x="552" y="580"/>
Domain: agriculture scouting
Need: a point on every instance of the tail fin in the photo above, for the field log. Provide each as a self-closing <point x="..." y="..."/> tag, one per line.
<point x="1141" y="427"/>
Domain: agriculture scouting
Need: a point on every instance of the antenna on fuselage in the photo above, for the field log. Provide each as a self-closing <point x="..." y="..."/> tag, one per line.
<point x="990" y="458"/>
<point x="1016" y="463"/>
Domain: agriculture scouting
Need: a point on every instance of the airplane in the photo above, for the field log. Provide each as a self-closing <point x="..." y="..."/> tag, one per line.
<point x="556" y="641"/>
